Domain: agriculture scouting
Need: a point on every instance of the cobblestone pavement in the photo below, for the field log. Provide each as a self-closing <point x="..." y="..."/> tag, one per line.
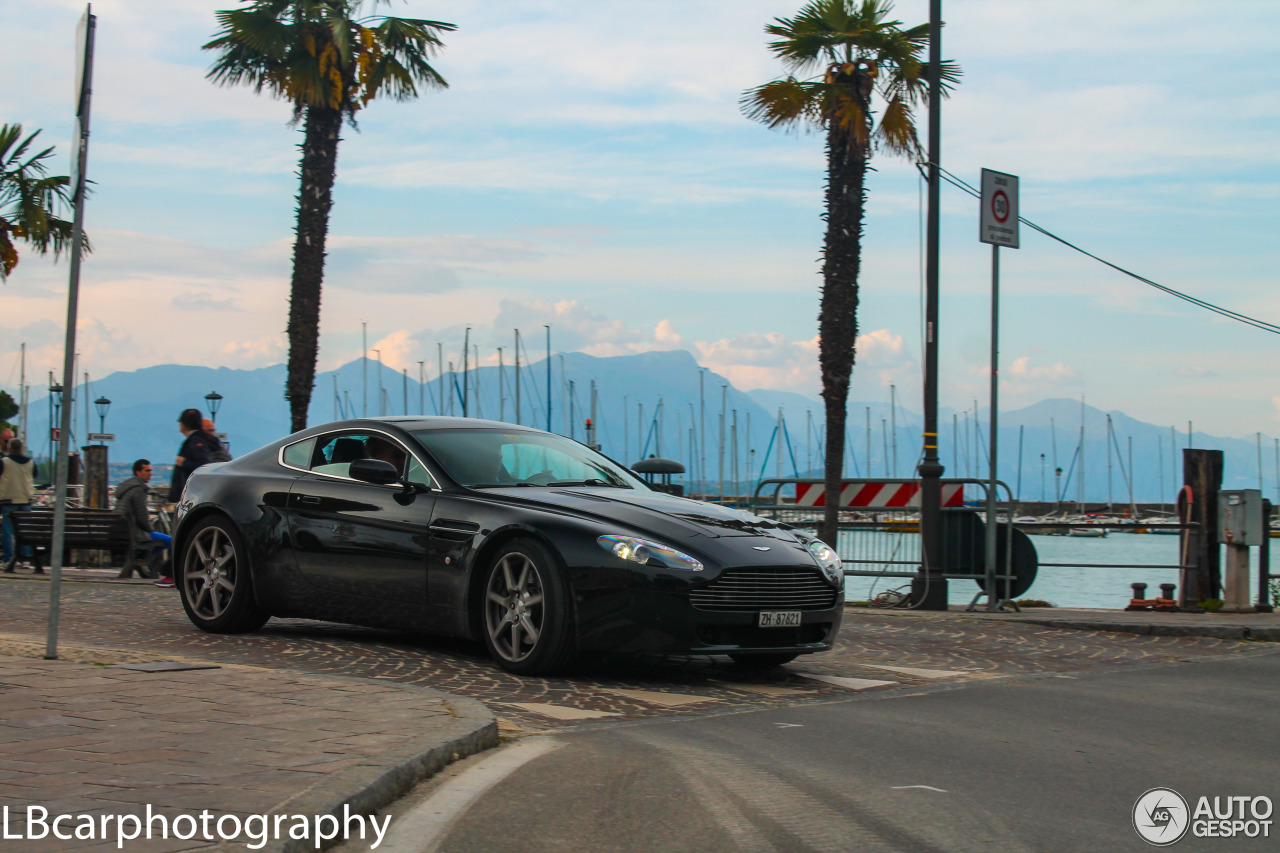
<point x="79" y="740"/>
<point x="876" y="652"/>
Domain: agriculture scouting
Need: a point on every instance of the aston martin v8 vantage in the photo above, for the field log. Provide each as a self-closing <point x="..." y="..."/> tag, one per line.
<point x="529" y="542"/>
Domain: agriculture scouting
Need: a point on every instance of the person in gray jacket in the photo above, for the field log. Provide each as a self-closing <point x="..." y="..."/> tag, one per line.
<point x="131" y="502"/>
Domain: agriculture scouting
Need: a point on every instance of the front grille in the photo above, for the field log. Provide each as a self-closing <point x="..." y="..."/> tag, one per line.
<point x="765" y="589"/>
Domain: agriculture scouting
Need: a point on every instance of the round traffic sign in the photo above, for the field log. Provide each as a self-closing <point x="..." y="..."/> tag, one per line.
<point x="1000" y="206"/>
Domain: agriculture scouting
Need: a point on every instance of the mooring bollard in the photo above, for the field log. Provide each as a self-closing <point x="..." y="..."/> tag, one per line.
<point x="1139" y="591"/>
<point x="1167" y="589"/>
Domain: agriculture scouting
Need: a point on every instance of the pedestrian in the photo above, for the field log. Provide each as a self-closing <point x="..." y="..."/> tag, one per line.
<point x="18" y="474"/>
<point x="198" y="448"/>
<point x="131" y="502"/>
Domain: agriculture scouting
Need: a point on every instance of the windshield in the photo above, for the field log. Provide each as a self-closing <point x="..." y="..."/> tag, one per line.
<point x="484" y="458"/>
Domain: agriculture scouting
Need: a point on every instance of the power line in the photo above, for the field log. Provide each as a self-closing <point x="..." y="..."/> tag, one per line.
<point x="1199" y="303"/>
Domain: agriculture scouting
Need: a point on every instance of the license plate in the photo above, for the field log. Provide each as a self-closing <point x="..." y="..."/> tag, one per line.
<point x="779" y="618"/>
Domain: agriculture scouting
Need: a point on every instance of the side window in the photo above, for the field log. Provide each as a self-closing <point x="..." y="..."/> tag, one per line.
<point x="417" y="474"/>
<point x="299" y="455"/>
<point x="335" y="453"/>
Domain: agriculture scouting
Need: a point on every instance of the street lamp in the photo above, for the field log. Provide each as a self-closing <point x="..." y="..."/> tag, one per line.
<point x="102" y="404"/>
<point x="214" y="400"/>
<point x="55" y="396"/>
<point x="1057" y="490"/>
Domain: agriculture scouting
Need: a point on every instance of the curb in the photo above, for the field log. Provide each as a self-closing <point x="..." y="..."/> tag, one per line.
<point x="375" y="784"/>
<point x="1216" y="632"/>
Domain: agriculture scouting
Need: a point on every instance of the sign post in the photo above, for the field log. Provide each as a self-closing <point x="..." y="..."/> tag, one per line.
<point x="999" y="227"/>
<point x="80" y="151"/>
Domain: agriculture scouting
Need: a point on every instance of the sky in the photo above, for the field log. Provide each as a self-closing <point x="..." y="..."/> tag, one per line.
<point x="589" y="168"/>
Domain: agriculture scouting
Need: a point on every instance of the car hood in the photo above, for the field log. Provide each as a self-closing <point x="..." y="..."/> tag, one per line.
<point x="661" y="513"/>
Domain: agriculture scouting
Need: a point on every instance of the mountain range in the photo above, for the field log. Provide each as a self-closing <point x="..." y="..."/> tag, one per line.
<point x="665" y="404"/>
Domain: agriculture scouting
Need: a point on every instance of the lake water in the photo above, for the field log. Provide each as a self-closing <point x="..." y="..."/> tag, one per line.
<point x="1072" y="586"/>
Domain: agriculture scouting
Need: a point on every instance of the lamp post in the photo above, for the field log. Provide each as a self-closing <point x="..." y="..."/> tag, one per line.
<point x="1057" y="490"/>
<point x="102" y="404"/>
<point x="214" y="401"/>
<point x="55" y="396"/>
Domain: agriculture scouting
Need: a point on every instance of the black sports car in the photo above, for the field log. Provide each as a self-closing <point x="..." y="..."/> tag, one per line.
<point x="531" y="542"/>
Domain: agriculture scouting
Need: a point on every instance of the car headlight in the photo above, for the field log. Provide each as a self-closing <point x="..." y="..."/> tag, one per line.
<point x="828" y="559"/>
<point x="648" y="553"/>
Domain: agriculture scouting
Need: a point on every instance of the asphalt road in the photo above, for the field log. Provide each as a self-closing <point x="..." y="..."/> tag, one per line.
<point x="1027" y="737"/>
<point x="1039" y="763"/>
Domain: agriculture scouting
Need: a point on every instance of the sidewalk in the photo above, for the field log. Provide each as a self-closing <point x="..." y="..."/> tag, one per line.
<point x="85" y="735"/>
<point x="1262" y="627"/>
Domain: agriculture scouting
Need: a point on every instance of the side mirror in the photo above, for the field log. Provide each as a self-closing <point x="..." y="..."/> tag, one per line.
<point x="374" y="471"/>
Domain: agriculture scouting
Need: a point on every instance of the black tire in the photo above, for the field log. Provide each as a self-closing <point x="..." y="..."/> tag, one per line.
<point x="764" y="661"/>
<point x="214" y="579"/>
<point x="524" y="594"/>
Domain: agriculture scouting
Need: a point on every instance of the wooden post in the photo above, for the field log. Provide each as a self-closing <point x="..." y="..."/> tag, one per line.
<point x="95" y="469"/>
<point x="95" y="493"/>
<point x="1202" y="472"/>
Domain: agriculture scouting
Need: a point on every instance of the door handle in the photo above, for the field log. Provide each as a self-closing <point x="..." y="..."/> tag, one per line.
<point x="308" y="499"/>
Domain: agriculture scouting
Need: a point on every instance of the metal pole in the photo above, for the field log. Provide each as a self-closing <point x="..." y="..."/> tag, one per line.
<point x="929" y="589"/>
<point x="69" y="348"/>
<point x="22" y="395"/>
<point x="364" y="363"/>
<point x="1018" y="495"/>
<point x="440" y="379"/>
<point x="405" y="372"/>
<point x="475" y="386"/>
<point x="517" y="377"/>
<point x="702" y="427"/>
<point x="422" y="388"/>
<point x="466" y="367"/>
<point x="993" y="599"/>
<point x="724" y="413"/>
<point x="548" y="328"/>
<point x="1264" y="562"/>
<point x="893" y="426"/>
<point x="502" y="390"/>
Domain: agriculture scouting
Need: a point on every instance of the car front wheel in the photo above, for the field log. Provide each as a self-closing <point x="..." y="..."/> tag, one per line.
<point x="217" y="588"/>
<point x="526" y="617"/>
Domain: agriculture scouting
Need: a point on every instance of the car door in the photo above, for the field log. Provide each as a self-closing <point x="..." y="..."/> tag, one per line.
<point x="363" y="545"/>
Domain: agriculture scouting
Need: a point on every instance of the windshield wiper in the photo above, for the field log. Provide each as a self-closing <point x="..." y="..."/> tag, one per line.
<point x="498" y="485"/>
<point x="592" y="481"/>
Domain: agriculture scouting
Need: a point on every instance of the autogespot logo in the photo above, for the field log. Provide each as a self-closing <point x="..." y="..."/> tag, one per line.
<point x="1160" y="816"/>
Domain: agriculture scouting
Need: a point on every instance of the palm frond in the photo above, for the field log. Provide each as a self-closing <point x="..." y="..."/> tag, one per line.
<point x="319" y="53"/>
<point x="785" y="103"/>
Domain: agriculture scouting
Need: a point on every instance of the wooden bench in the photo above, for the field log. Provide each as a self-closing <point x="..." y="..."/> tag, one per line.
<point x="90" y="529"/>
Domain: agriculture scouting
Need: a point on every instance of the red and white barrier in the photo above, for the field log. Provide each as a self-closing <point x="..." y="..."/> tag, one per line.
<point x="877" y="495"/>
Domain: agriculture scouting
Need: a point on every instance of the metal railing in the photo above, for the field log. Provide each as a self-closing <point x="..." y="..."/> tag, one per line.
<point x="890" y="533"/>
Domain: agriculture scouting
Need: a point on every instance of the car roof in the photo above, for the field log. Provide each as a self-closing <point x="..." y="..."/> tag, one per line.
<point x="421" y="422"/>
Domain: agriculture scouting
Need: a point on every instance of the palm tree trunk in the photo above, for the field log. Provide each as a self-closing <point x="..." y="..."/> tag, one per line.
<point x="837" y="319"/>
<point x="315" y="197"/>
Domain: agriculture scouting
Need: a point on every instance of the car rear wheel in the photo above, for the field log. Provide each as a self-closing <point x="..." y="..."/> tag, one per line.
<point x="217" y="588"/>
<point x="764" y="661"/>
<point x="526" y="612"/>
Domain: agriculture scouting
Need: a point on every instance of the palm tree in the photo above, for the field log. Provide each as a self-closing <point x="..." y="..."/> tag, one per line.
<point x="29" y="199"/>
<point x="328" y="63"/>
<point x="861" y="54"/>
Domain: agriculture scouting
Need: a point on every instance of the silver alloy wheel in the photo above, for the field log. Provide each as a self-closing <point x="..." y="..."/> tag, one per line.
<point x="513" y="611"/>
<point x="209" y="573"/>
